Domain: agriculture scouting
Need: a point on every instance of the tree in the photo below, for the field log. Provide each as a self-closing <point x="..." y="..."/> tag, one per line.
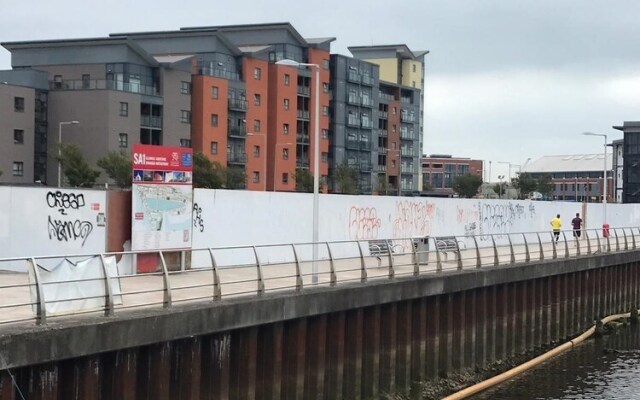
<point x="525" y="183"/>
<point x="345" y="179"/>
<point x="207" y="174"/>
<point x="117" y="165"/>
<point x="75" y="168"/>
<point x="236" y="178"/>
<point x="383" y="185"/>
<point x="500" y="188"/>
<point x="304" y="180"/>
<point x="467" y="185"/>
<point x="544" y="185"/>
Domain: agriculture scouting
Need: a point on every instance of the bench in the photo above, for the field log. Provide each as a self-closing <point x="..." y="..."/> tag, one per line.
<point x="379" y="249"/>
<point x="447" y="244"/>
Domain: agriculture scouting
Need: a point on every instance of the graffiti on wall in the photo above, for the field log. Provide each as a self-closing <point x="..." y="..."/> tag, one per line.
<point x="62" y="226"/>
<point x="198" y="222"/>
<point x="500" y="218"/>
<point x="364" y="223"/>
<point x="413" y="218"/>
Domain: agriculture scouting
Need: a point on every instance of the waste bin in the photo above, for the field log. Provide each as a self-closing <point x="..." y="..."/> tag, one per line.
<point x="421" y="247"/>
<point x="605" y="230"/>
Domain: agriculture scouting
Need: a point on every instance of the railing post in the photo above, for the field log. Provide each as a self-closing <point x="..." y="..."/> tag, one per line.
<point x="633" y="239"/>
<point x="615" y="233"/>
<point x="513" y="255"/>
<point x="598" y="241"/>
<point x="496" y="258"/>
<point x="438" y="257"/>
<point x="391" y="267"/>
<point x="554" y="246"/>
<point x="626" y="242"/>
<point x="578" y="252"/>
<point x="259" y="272"/>
<point x="566" y="245"/>
<point x="41" y="304"/>
<point x="299" y="282"/>
<point x="363" y="265"/>
<point x="333" y="280"/>
<point x="540" y="244"/>
<point x="414" y="252"/>
<point x="458" y="254"/>
<point x="527" y="256"/>
<point x="108" y="304"/>
<point x="217" y="290"/>
<point x="167" y="284"/>
<point x="586" y="236"/>
<point x="609" y="242"/>
<point x="478" y="259"/>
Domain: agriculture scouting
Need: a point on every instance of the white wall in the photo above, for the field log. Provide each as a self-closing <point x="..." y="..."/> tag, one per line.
<point x="48" y="221"/>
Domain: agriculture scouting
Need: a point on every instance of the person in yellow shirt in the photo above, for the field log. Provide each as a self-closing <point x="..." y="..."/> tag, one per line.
<point x="556" y="224"/>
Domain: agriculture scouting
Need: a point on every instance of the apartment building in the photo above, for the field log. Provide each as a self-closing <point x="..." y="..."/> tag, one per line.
<point x="439" y="171"/>
<point x="23" y="124"/>
<point x="628" y="154"/>
<point x="221" y="91"/>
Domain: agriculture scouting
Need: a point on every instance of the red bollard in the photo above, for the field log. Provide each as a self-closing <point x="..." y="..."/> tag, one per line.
<point x="605" y="230"/>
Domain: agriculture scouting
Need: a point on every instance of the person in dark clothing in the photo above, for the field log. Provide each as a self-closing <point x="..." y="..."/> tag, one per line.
<point x="577" y="225"/>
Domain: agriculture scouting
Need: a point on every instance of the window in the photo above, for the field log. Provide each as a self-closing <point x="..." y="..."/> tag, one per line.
<point x="18" y="136"/>
<point x="325" y="87"/>
<point x="393" y="128"/>
<point x="123" y="140"/>
<point x="325" y="110"/>
<point x="286" y="104"/>
<point x="413" y="83"/>
<point x="285" y="154"/>
<point x="325" y="157"/>
<point x="214" y="147"/>
<point x="256" y="99"/>
<point x="325" y="133"/>
<point x="393" y="163"/>
<point x="413" y="67"/>
<point x="185" y="87"/>
<point x="185" y="116"/>
<point x="18" y="168"/>
<point x="124" y="109"/>
<point x="256" y="176"/>
<point x="18" y="104"/>
<point x="214" y="120"/>
<point x="257" y="73"/>
<point x="285" y="177"/>
<point x="325" y="64"/>
<point x="394" y="110"/>
<point x="214" y="92"/>
<point x="256" y="125"/>
<point x="285" y="129"/>
<point x="57" y="81"/>
<point x="185" y="143"/>
<point x="286" y="79"/>
<point x="86" y="79"/>
<point x="256" y="151"/>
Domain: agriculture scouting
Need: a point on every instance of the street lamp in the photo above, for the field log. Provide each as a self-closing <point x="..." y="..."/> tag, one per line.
<point x="264" y="155"/>
<point x="60" y="147"/>
<point x="275" y="164"/>
<point x="604" y="175"/>
<point x="316" y="162"/>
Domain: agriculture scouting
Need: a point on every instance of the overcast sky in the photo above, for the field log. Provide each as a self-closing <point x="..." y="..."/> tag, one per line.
<point x="506" y="80"/>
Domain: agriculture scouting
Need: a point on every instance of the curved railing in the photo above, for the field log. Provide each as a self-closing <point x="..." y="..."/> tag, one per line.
<point x="41" y="288"/>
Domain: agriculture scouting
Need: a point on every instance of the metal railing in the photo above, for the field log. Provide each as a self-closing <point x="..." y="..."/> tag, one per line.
<point x="211" y="274"/>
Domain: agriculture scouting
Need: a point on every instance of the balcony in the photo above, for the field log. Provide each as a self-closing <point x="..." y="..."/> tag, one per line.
<point x="352" y="121"/>
<point x="406" y="117"/>
<point x="302" y="163"/>
<point x="237" y="131"/>
<point x="103" y="84"/>
<point x="365" y="165"/>
<point x="353" y="99"/>
<point x="381" y="168"/>
<point x="383" y="133"/>
<point x="408" y="169"/>
<point x="367" y="124"/>
<point x="407" y="134"/>
<point x="149" y="121"/>
<point x="384" y="115"/>
<point x="386" y="96"/>
<point x="236" y="158"/>
<point x="304" y="91"/>
<point x="302" y="138"/>
<point x="302" y="114"/>
<point x="406" y="100"/>
<point x="238" y="104"/>
<point x="382" y="150"/>
<point x="367" y="80"/>
<point x="352" y="144"/>
<point x="365" y="145"/>
<point x="365" y="188"/>
<point x="219" y="73"/>
<point x="367" y="102"/>
<point x="407" y="152"/>
<point x="353" y="76"/>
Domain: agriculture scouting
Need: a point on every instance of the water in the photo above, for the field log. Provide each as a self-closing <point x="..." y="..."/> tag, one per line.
<point x="606" y="368"/>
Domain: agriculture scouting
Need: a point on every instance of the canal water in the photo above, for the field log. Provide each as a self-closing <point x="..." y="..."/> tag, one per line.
<point x="605" y="368"/>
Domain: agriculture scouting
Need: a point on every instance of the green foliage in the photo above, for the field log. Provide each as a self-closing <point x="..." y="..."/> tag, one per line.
<point x="304" y="180"/>
<point x="117" y="165"/>
<point x="383" y="185"/>
<point x="345" y="179"/>
<point x="545" y="185"/>
<point x="207" y="174"/>
<point x="525" y="184"/>
<point x="236" y="178"/>
<point x="75" y="168"/>
<point x="467" y="185"/>
<point x="500" y="188"/>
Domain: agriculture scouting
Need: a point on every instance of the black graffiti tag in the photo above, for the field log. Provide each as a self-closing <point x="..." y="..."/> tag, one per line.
<point x="198" y="222"/>
<point x="65" y="231"/>
<point x="65" y="201"/>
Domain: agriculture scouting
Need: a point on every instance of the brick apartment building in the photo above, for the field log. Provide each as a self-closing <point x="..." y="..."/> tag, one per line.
<point x="215" y="89"/>
<point x="439" y="170"/>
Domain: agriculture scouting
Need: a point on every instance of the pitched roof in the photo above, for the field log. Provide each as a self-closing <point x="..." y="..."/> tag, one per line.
<point x="568" y="163"/>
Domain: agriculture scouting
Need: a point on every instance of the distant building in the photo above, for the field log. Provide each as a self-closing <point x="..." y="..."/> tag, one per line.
<point x="618" y="168"/>
<point x="439" y="170"/>
<point x="630" y="161"/>
<point x="576" y="177"/>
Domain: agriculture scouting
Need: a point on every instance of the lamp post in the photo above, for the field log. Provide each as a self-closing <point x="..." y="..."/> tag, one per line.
<point x="604" y="175"/>
<point x="60" y="147"/>
<point x="316" y="161"/>
<point x="264" y="155"/>
<point x="275" y="164"/>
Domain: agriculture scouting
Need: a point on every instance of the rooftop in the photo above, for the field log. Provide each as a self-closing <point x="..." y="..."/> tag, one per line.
<point x="568" y="163"/>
